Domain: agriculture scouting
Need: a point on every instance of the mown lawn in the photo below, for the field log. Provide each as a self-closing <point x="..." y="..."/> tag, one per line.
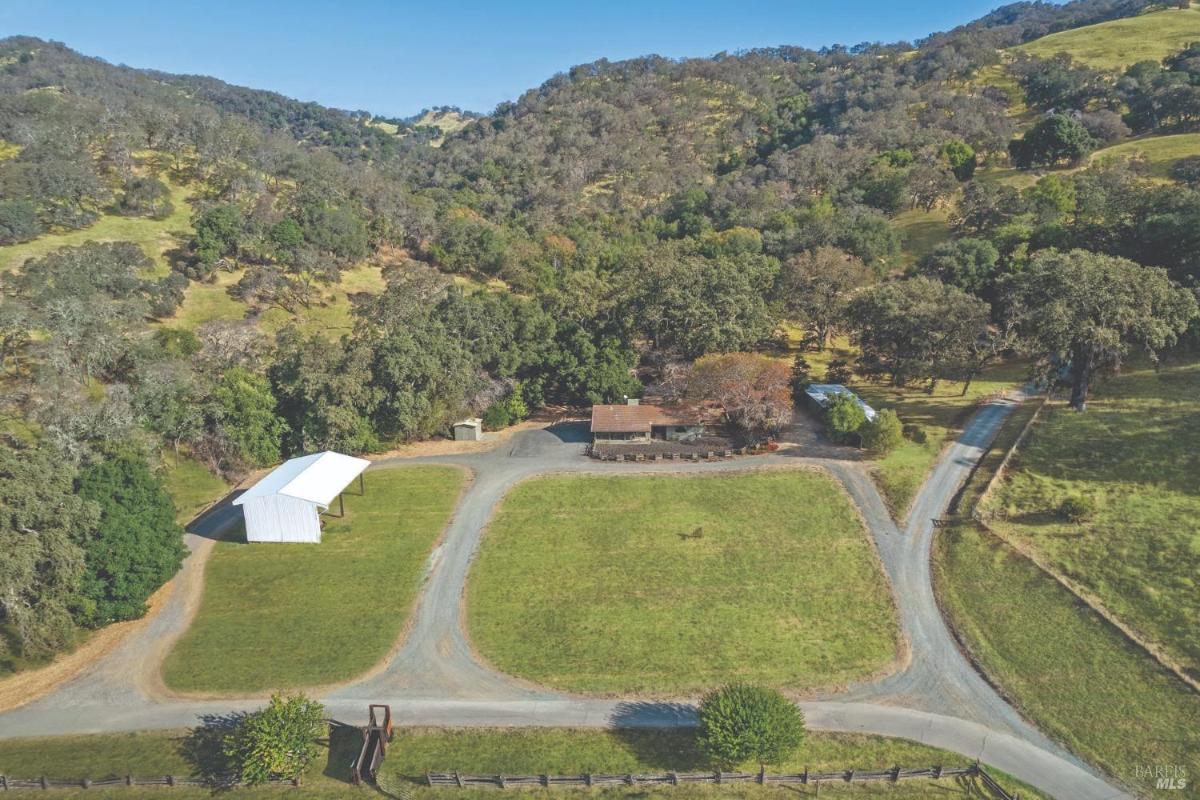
<point x="155" y="236"/>
<point x="1118" y="43"/>
<point x="488" y="751"/>
<point x="669" y="585"/>
<point x="291" y="615"/>
<point x="1070" y="672"/>
<point x="1135" y="453"/>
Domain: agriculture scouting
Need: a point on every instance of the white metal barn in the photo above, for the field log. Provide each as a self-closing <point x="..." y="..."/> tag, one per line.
<point x="285" y="506"/>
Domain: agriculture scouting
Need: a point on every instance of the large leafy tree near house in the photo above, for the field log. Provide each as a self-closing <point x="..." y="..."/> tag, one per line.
<point x="815" y="287"/>
<point x="137" y="545"/>
<point x="41" y="562"/>
<point x="1079" y="313"/>
<point x="919" y="328"/>
<point x="753" y="390"/>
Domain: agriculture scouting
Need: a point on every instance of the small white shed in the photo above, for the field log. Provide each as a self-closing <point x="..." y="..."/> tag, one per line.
<point x="285" y="506"/>
<point x="468" y="430"/>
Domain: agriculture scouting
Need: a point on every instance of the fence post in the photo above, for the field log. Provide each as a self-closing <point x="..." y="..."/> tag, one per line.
<point x="503" y="783"/>
<point x="895" y="773"/>
<point x="129" y="780"/>
<point x="674" y="778"/>
<point x="718" y="777"/>
<point x="170" y="780"/>
<point x="45" y="783"/>
<point x="937" y="771"/>
<point x="849" y="775"/>
<point x="804" y="777"/>
<point x="87" y="783"/>
<point x="4" y="782"/>
<point x="762" y="774"/>
<point x="587" y="779"/>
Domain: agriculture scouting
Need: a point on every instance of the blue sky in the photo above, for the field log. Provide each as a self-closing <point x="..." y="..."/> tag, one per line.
<point x="394" y="58"/>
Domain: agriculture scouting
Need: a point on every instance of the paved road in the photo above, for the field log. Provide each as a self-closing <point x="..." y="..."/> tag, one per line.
<point x="435" y="678"/>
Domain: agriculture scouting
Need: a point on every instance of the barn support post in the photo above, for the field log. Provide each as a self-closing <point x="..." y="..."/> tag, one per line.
<point x="341" y="506"/>
<point x="362" y="486"/>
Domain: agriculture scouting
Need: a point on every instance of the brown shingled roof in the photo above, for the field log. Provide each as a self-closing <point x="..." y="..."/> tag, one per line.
<point x="635" y="419"/>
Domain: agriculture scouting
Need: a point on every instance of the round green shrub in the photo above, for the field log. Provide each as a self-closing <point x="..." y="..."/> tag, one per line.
<point x="915" y="433"/>
<point x="883" y="434"/>
<point x="740" y="723"/>
<point x="1077" y="509"/>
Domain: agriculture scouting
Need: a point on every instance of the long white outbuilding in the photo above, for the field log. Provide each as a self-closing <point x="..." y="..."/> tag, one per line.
<point x="286" y="505"/>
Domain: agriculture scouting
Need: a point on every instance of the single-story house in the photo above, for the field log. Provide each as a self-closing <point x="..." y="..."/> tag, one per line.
<point x="822" y="393"/>
<point x="286" y="505"/>
<point x="637" y="422"/>
<point x="468" y="430"/>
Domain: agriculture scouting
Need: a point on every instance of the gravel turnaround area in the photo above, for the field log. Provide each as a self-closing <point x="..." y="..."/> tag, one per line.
<point x="434" y="678"/>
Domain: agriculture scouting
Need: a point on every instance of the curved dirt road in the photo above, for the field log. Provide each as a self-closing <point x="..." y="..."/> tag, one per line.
<point x="435" y="679"/>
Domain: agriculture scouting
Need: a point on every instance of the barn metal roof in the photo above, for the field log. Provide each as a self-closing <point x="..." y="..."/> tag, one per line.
<point x="317" y="478"/>
<point x="823" y="392"/>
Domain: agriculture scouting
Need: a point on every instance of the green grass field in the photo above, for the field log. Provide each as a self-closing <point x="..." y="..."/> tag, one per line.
<point x="154" y="236"/>
<point x="489" y="751"/>
<point x="1121" y="42"/>
<point x="283" y="616"/>
<point x="1069" y="671"/>
<point x="598" y="584"/>
<point x="1134" y="453"/>
<point x="1160" y="152"/>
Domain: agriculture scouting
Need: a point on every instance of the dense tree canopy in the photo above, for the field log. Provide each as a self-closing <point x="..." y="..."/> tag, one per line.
<point x="1080" y="313"/>
<point x="137" y="544"/>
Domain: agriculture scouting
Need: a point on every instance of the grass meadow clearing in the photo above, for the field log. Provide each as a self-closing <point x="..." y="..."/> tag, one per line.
<point x="668" y="585"/>
<point x="290" y="615"/>
<point x="1135" y="456"/>
<point x="154" y="236"/>
<point x="1160" y="152"/>
<point x="489" y="751"/>
<point x="1118" y="43"/>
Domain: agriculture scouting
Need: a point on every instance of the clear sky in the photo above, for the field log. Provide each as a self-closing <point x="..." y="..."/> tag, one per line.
<point x="395" y="58"/>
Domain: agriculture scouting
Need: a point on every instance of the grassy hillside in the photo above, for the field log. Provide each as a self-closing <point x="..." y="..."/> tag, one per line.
<point x="155" y="236"/>
<point x="1121" y="42"/>
<point x="1160" y="152"/>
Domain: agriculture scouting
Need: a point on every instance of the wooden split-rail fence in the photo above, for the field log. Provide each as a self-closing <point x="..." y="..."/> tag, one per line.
<point x="464" y="781"/>
<point x="461" y="780"/>
<point x="43" y="782"/>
